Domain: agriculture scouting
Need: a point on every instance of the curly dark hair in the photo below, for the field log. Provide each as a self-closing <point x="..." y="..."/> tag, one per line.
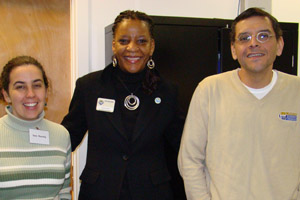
<point x="16" y="62"/>
<point x="152" y="78"/>
<point x="251" y="12"/>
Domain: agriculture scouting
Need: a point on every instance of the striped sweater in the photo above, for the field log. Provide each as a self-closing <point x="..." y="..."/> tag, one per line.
<point x="33" y="171"/>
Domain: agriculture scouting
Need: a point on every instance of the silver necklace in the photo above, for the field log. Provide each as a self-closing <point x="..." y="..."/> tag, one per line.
<point x="131" y="102"/>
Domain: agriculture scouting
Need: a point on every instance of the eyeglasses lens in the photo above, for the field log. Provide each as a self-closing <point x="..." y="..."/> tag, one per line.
<point x="263" y="37"/>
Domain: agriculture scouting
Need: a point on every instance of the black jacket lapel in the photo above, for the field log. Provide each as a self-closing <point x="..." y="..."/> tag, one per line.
<point x="147" y="113"/>
<point x="108" y="91"/>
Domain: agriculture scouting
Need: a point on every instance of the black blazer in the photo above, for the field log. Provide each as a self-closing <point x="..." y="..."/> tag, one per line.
<point x="110" y="156"/>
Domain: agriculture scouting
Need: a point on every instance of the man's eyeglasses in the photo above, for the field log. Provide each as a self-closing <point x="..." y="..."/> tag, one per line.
<point x="261" y="37"/>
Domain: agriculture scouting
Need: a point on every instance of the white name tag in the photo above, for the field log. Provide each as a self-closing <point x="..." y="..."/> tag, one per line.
<point x="38" y="136"/>
<point x="106" y="105"/>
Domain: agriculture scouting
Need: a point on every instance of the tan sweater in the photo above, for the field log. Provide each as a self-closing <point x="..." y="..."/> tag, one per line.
<point x="236" y="147"/>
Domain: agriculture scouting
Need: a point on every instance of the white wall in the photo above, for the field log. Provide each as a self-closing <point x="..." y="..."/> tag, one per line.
<point x="93" y="15"/>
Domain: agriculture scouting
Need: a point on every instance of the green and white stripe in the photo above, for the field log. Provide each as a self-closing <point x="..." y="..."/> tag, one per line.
<point x="33" y="171"/>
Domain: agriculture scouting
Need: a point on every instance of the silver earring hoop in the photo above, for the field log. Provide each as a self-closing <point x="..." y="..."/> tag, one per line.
<point x="151" y="63"/>
<point x="115" y="62"/>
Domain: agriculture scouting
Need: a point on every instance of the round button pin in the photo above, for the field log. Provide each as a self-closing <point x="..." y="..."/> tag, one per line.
<point x="157" y="100"/>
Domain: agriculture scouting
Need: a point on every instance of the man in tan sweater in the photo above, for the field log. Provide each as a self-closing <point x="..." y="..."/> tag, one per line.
<point x="241" y="139"/>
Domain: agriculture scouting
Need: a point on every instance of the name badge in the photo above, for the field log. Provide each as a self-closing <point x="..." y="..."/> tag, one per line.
<point x="288" y="116"/>
<point x="106" y="105"/>
<point x="39" y="136"/>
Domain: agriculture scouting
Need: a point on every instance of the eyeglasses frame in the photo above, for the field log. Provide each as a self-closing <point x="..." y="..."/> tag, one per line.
<point x="256" y="37"/>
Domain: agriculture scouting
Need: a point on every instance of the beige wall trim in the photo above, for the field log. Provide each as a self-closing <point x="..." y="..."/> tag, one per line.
<point x="80" y="50"/>
<point x="74" y="76"/>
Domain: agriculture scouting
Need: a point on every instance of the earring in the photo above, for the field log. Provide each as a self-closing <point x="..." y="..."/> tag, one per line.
<point x="115" y="62"/>
<point x="150" y="63"/>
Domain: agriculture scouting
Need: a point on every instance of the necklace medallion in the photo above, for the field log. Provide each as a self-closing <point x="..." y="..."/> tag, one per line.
<point x="131" y="102"/>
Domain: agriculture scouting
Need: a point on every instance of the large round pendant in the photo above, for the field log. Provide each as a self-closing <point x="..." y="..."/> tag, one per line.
<point x="131" y="102"/>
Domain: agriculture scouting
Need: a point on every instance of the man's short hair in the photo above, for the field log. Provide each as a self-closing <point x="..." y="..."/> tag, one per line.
<point x="251" y="12"/>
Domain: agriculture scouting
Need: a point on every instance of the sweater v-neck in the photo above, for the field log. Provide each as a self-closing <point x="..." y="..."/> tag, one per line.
<point x="251" y="97"/>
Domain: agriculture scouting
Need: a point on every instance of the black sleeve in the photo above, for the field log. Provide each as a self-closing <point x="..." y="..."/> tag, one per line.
<point x="174" y="131"/>
<point x="75" y="120"/>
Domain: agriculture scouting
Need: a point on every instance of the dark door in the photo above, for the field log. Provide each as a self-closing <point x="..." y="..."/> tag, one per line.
<point x="185" y="55"/>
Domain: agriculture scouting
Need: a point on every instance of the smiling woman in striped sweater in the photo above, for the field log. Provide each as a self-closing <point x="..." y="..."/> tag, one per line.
<point x="35" y="153"/>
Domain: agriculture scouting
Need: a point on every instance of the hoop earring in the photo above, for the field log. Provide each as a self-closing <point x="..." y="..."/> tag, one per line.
<point x="115" y="62"/>
<point x="150" y="63"/>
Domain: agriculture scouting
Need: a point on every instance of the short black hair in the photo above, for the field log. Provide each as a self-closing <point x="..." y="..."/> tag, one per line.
<point x="251" y="12"/>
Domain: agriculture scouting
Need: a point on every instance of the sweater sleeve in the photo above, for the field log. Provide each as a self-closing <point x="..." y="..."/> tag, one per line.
<point x="191" y="158"/>
<point x="65" y="192"/>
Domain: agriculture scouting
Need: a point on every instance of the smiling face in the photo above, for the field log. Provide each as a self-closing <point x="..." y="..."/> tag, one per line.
<point x="132" y="45"/>
<point x="26" y="92"/>
<point x="253" y="56"/>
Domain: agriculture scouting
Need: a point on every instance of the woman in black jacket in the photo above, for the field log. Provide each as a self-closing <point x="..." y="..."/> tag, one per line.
<point x="129" y="112"/>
